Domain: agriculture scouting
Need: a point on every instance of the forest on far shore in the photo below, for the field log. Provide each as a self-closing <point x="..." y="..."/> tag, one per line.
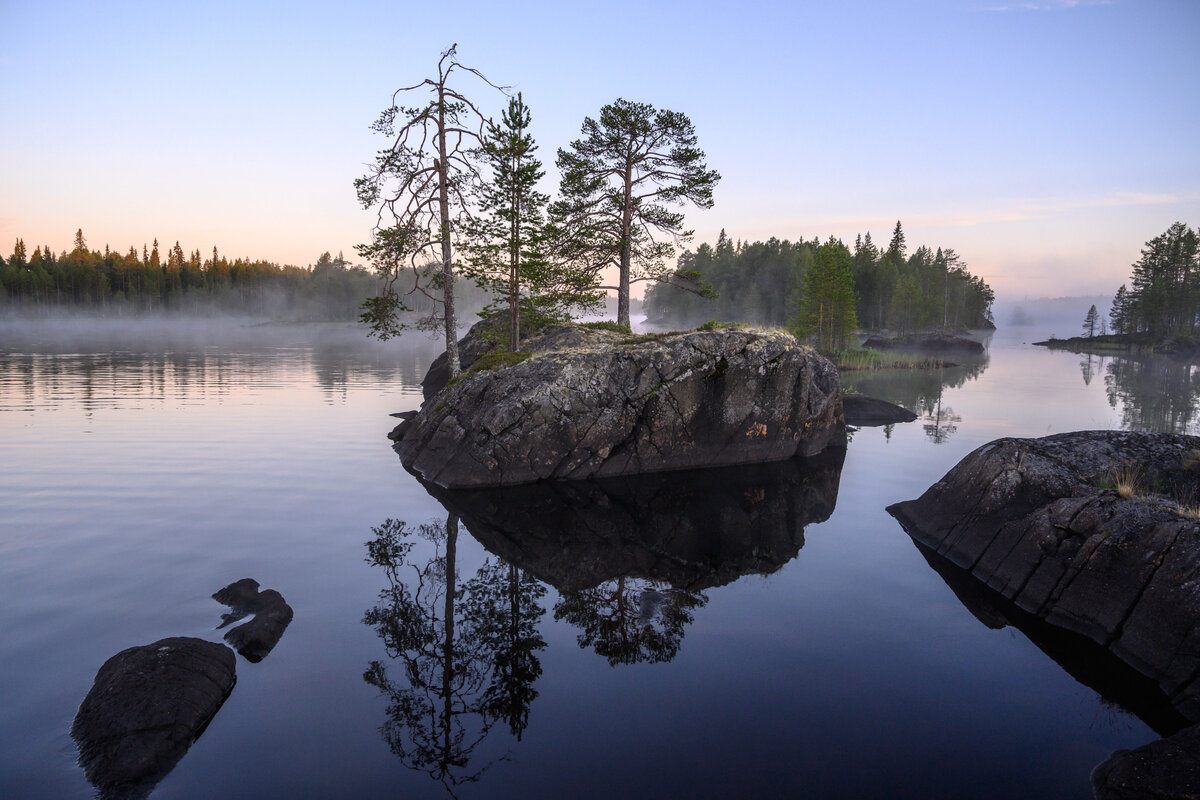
<point x="804" y="284"/>
<point x="174" y="282"/>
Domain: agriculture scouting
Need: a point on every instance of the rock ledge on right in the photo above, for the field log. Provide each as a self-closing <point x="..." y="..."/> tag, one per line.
<point x="1094" y="532"/>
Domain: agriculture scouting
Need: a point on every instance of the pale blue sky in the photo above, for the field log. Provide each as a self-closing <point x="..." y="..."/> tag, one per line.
<point x="1044" y="141"/>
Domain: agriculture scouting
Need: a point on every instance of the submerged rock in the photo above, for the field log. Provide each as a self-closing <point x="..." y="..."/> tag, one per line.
<point x="644" y="404"/>
<point x="867" y="412"/>
<point x="256" y="638"/>
<point x="927" y="342"/>
<point x="146" y="707"/>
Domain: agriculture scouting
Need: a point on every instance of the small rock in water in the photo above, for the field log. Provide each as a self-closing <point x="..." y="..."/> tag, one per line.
<point x="146" y="707"/>
<point x="256" y="638"/>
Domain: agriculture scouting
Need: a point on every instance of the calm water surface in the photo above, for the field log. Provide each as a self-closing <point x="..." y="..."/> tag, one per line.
<point x="809" y="650"/>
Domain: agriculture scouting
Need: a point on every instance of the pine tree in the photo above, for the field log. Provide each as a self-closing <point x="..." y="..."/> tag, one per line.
<point x="619" y="182"/>
<point x="1089" y="322"/>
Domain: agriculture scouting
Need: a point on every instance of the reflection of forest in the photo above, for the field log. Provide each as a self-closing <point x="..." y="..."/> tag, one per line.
<point x="920" y="391"/>
<point x="467" y="652"/>
<point x="169" y="361"/>
<point x="1156" y="393"/>
<point x="631" y="557"/>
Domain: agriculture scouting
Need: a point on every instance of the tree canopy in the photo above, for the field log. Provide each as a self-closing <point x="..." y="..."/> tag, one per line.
<point x="621" y="182"/>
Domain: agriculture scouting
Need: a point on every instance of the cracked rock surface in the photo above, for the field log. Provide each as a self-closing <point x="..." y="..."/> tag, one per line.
<point x="628" y="406"/>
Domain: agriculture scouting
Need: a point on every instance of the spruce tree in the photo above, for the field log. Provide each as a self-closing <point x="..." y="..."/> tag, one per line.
<point x="505" y="241"/>
<point x="1090" y="321"/>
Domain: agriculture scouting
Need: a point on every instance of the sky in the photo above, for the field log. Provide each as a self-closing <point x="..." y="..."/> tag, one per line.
<point x="1044" y="141"/>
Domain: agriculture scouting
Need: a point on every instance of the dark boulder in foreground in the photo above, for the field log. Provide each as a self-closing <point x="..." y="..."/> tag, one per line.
<point x="643" y="404"/>
<point x="867" y="412"/>
<point x="1042" y="522"/>
<point x="925" y="342"/>
<point x="146" y="707"/>
<point x="256" y="638"/>
<point x="693" y="529"/>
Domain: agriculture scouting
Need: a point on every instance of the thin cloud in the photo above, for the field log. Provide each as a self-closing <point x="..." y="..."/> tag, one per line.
<point x="1018" y="211"/>
<point x="1048" y="5"/>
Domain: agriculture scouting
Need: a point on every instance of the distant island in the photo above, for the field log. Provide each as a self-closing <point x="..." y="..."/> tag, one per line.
<point x="1160" y="314"/>
<point x="824" y="291"/>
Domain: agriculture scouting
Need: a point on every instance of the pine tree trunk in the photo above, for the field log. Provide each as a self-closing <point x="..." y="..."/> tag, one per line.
<point x="626" y="233"/>
<point x="452" y="360"/>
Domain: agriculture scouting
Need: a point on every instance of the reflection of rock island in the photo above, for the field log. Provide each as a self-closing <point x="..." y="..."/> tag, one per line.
<point x="693" y="530"/>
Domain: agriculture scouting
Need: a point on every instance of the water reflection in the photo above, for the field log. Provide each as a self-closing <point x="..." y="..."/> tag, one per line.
<point x="1155" y="393"/>
<point x="631" y="557"/>
<point x="105" y="365"/>
<point x="630" y="620"/>
<point x="466" y="653"/>
<point x="1090" y="366"/>
<point x="1091" y="664"/>
<point x="920" y="391"/>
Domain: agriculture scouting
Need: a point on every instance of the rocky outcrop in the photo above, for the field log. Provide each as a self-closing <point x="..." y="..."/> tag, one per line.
<point x="1032" y="519"/>
<point x="868" y="412"/>
<point x="694" y="530"/>
<point x="643" y="404"/>
<point x="1091" y="532"/>
<point x="256" y="638"/>
<point x="925" y="342"/>
<point x="146" y="707"/>
<point x="491" y="335"/>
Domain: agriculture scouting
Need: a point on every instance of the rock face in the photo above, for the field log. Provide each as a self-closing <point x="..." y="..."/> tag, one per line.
<point x="146" y="707"/>
<point x="694" y="529"/>
<point x="256" y="638"/>
<point x="928" y="342"/>
<point x="644" y="404"/>
<point x="1162" y="770"/>
<point x="868" y="412"/>
<point x="1028" y="517"/>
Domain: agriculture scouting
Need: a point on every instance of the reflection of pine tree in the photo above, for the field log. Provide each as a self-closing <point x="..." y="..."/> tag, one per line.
<point x="468" y="653"/>
<point x="630" y="620"/>
<point x="942" y="423"/>
<point x="1156" y="394"/>
<point x="1088" y="368"/>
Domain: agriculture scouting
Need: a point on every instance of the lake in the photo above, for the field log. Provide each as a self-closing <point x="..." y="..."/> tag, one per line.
<point x="755" y="632"/>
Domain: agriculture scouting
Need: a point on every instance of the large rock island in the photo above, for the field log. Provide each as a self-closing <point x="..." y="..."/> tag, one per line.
<point x="597" y="406"/>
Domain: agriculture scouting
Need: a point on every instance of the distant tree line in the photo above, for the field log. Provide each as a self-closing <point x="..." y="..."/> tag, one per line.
<point x="807" y="283"/>
<point x="176" y="281"/>
<point x="1163" y="297"/>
